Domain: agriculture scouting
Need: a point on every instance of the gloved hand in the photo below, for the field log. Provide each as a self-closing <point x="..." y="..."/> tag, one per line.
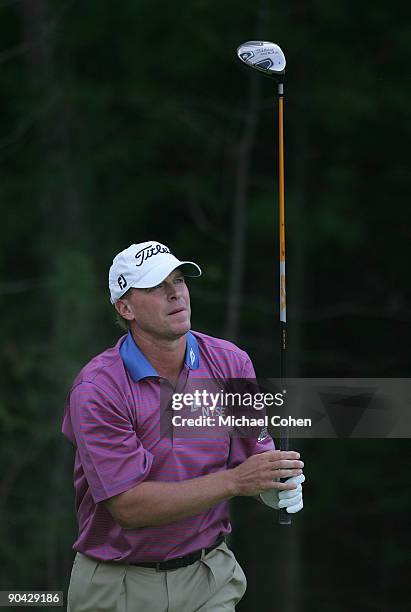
<point x="291" y="500"/>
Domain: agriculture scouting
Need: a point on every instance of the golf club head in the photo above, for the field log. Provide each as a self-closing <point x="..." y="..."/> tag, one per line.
<point x="264" y="56"/>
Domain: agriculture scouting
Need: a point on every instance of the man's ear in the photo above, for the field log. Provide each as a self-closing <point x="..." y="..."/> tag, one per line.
<point x="124" y="310"/>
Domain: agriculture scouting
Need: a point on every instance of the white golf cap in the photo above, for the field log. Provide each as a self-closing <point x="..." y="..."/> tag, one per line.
<point x="144" y="265"/>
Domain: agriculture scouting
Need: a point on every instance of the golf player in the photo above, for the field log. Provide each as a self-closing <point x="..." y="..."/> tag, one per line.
<point x="152" y="509"/>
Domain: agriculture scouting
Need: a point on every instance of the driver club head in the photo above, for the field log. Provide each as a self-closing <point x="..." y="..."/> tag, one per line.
<point x="264" y="56"/>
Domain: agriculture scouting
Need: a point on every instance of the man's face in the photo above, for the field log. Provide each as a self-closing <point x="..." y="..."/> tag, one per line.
<point x="161" y="312"/>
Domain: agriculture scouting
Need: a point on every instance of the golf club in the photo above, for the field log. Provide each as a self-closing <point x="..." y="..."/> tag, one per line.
<point x="268" y="58"/>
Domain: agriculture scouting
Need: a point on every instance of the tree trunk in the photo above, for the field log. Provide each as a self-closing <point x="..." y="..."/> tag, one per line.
<point x="64" y="259"/>
<point x="239" y="210"/>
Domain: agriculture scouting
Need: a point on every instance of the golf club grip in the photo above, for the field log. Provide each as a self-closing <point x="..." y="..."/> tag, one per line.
<point x="283" y="517"/>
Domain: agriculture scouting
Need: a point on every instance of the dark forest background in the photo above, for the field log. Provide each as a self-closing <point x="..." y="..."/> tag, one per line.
<point x="133" y="120"/>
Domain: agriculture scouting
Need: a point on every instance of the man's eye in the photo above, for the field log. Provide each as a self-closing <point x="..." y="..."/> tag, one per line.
<point x="153" y="288"/>
<point x="179" y="279"/>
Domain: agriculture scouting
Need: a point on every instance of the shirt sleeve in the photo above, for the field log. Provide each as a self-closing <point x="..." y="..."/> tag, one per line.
<point x="112" y="456"/>
<point x="242" y="448"/>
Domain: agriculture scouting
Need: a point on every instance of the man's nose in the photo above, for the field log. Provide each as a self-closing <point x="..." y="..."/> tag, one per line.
<point x="173" y="291"/>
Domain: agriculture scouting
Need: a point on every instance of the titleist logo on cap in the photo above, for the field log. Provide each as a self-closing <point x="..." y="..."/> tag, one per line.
<point x="149" y="251"/>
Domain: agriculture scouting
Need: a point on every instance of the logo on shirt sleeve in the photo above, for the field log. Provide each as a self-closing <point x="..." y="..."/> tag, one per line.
<point x="263" y="434"/>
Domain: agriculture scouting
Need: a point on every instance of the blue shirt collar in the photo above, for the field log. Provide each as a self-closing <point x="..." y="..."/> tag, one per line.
<point x="139" y="366"/>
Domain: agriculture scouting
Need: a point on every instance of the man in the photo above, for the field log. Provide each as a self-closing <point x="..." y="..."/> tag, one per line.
<point x="152" y="508"/>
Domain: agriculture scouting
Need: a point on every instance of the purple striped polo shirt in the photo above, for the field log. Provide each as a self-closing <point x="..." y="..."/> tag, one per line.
<point x="112" y="417"/>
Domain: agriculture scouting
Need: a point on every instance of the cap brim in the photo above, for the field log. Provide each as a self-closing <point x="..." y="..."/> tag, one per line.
<point x="160" y="272"/>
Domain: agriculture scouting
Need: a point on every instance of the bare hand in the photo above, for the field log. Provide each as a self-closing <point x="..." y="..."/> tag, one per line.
<point x="262" y="472"/>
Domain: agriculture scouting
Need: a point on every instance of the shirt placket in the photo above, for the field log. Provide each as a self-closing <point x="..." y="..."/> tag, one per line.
<point x="166" y="401"/>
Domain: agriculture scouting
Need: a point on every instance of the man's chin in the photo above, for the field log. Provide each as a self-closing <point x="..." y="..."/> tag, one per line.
<point x="181" y="329"/>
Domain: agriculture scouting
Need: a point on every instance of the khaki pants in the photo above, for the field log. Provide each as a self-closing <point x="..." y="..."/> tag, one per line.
<point x="214" y="583"/>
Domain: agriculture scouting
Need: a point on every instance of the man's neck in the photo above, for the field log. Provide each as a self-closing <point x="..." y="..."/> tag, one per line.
<point x="166" y="356"/>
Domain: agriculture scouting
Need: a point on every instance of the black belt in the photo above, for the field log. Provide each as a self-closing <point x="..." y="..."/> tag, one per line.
<point x="178" y="562"/>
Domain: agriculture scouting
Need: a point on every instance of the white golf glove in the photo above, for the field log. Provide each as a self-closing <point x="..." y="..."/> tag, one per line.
<point x="291" y="499"/>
